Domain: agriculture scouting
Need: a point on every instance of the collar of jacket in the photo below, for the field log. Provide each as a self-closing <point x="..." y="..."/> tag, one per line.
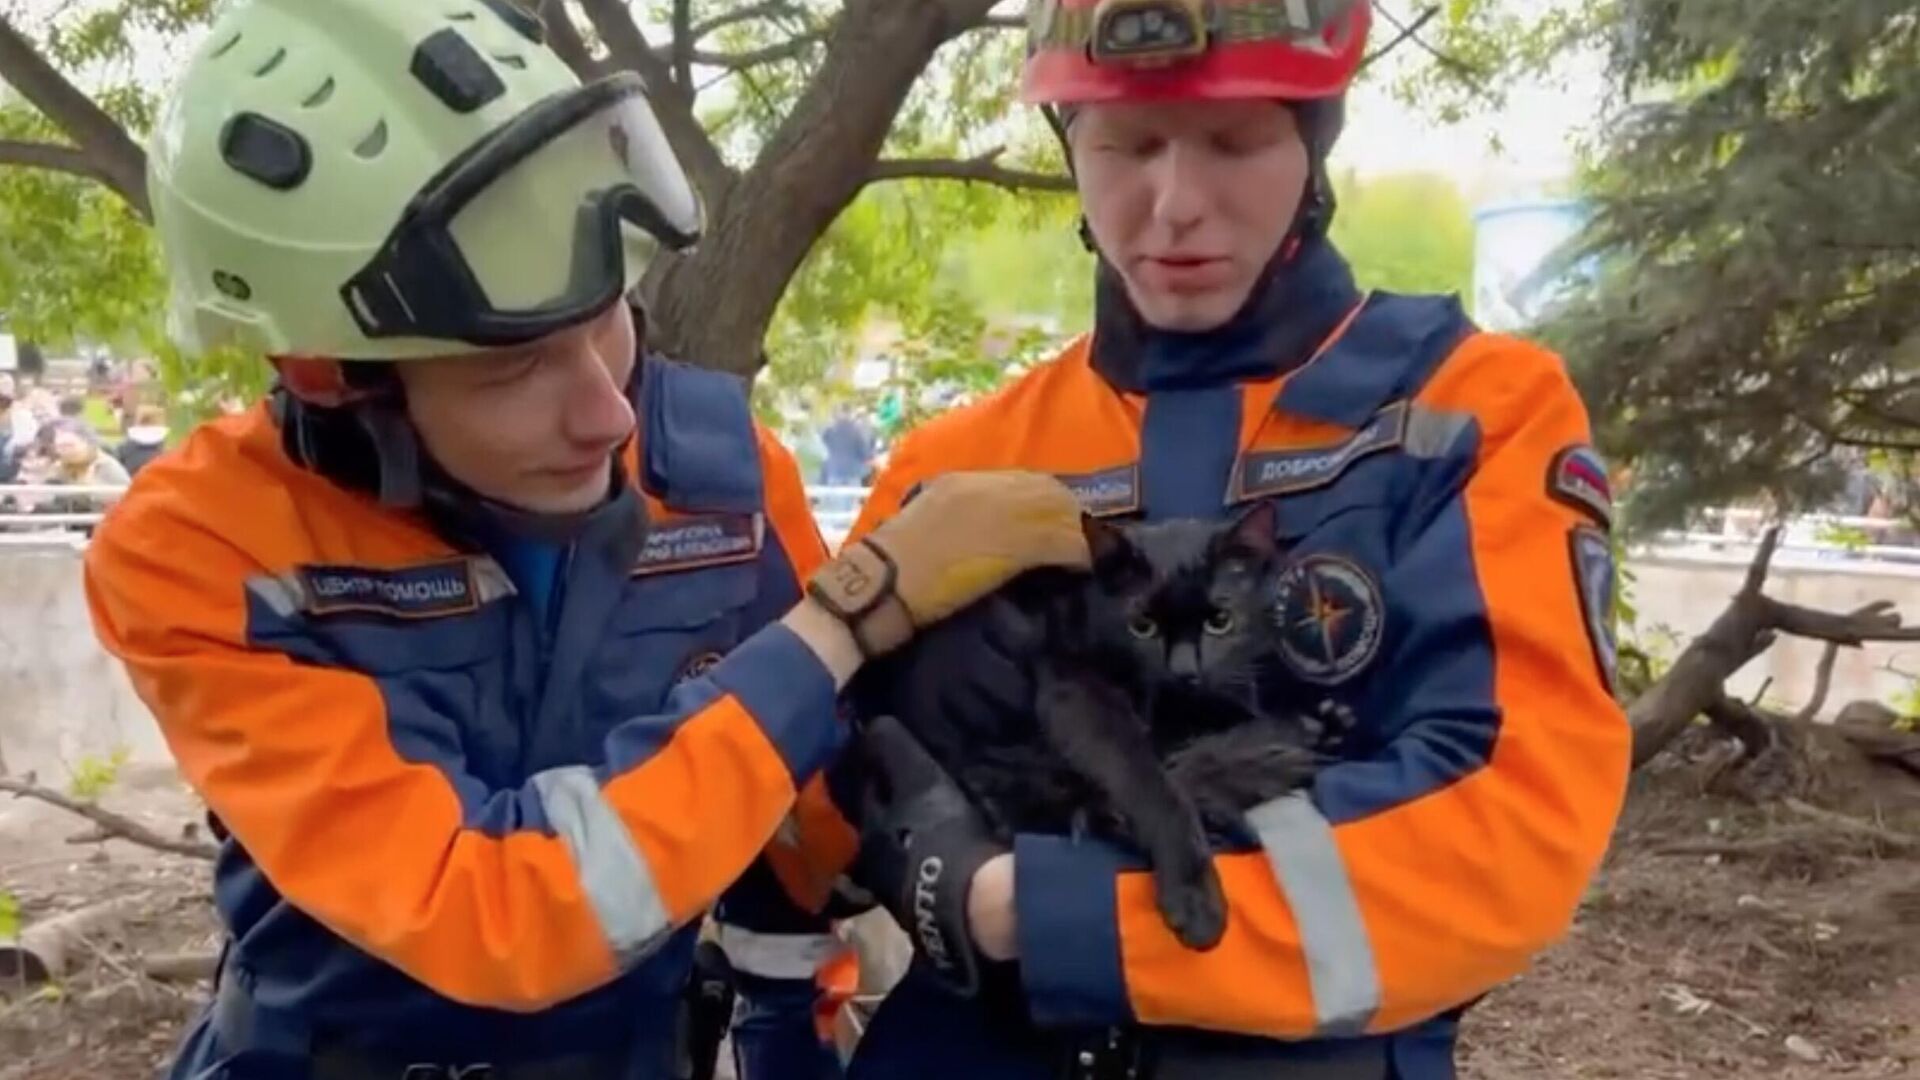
<point x="1294" y="306"/>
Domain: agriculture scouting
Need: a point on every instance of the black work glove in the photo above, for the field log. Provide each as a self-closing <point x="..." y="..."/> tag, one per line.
<point x="921" y="842"/>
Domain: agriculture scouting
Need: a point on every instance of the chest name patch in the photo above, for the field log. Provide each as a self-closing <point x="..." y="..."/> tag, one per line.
<point x="1283" y="472"/>
<point x="696" y="542"/>
<point x="1107" y="493"/>
<point x="415" y="592"/>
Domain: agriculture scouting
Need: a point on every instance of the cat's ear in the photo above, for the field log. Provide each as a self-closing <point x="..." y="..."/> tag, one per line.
<point x="1106" y="542"/>
<point x="1253" y="533"/>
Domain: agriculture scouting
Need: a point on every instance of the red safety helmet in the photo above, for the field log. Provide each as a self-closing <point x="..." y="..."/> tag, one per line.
<point x="1082" y="51"/>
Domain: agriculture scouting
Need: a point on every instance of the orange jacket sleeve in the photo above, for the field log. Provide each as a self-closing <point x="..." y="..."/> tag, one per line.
<point x="1411" y="882"/>
<point x="507" y="897"/>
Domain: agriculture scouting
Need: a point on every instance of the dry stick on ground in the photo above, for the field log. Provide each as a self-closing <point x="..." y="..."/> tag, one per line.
<point x="110" y="822"/>
<point x="1880" y="834"/>
<point x="1696" y="682"/>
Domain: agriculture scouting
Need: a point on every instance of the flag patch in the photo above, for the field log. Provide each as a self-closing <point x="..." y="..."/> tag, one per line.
<point x="1578" y="478"/>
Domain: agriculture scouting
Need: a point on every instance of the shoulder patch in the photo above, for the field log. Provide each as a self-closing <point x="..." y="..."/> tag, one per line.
<point x="1331" y="618"/>
<point x="1593" y="576"/>
<point x="1284" y="472"/>
<point x="1578" y="478"/>
<point x="696" y="542"/>
<point x="428" y="591"/>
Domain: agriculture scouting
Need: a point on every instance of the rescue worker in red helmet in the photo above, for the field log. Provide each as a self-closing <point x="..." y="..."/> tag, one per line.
<point x="1446" y="595"/>
<point x="484" y="639"/>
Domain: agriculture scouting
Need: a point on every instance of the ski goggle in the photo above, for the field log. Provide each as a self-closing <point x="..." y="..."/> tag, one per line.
<point x="536" y="228"/>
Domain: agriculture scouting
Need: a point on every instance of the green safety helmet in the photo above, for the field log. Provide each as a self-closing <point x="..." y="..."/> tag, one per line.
<point x="394" y="179"/>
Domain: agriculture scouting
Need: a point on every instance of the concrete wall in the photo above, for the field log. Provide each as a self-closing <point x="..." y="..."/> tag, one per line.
<point x="1685" y="593"/>
<point x="62" y="698"/>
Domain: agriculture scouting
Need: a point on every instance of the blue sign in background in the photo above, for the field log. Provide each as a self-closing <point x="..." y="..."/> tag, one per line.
<point x="1513" y="283"/>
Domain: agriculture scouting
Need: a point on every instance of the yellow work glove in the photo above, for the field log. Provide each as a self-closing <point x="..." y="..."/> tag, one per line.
<point x="964" y="536"/>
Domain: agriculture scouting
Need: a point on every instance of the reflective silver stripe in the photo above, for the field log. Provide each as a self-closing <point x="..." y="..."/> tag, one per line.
<point x="1340" y="968"/>
<point x="280" y="592"/>
<point x="776" y="956"/>
<point x="490" y="580"/>
<point x="616" y="878"/>
<point x="1431" y="433"/>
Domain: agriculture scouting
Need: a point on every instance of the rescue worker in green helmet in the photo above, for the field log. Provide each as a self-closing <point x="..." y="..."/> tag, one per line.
<point x="497" y="646"/>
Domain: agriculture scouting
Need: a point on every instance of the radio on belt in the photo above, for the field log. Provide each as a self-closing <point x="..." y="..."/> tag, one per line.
<point x="1148" y="33"/>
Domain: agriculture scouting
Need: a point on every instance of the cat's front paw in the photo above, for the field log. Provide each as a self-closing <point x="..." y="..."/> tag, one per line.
<point x="1193" y="904"/>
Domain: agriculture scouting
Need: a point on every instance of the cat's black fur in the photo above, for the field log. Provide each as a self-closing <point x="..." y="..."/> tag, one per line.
<point x="1145" y="726"/>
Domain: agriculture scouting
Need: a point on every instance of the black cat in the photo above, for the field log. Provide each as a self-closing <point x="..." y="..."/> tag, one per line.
<point x="1145" y="726"/>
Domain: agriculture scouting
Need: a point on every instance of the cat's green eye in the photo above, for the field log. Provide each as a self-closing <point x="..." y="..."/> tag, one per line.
<point x="1220" y="623"/>
<point x="1142" y="627"/>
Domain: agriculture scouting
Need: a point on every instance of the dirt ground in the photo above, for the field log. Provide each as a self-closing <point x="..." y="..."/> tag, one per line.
<point x="1803" y="962"/>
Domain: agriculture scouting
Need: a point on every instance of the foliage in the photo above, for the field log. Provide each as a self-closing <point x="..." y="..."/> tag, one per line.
<point x="93" y="777"/>
<point x="1410" y="233"/>
<point x="1755" y="304"/>
<point x="9" y="916"/>
<point x="935" y="260"/>
<point x="76" y="263"/>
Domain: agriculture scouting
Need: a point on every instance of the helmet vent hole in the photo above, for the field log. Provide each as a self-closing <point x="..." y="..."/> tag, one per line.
<point x="374" y="144"/>
<point x="515" y="61"/>
<point x="462" y="15"/>
<point x="319" y="97"/>
<point x="226" y="46"/>
<point x="279" y="56"/>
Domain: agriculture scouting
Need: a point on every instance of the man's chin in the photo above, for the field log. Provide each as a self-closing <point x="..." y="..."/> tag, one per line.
<point x="1189" y="314"/>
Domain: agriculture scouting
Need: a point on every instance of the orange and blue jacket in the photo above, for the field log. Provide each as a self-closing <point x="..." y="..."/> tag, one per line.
<point x="1446" y="528"/>
<point x="453" y="827"/>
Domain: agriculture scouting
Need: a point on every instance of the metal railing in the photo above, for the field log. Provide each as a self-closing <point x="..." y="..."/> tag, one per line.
<point x="1730" y="533"/>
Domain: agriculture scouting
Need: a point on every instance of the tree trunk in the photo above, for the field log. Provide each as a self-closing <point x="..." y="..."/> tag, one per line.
<point x="714" y="307"/>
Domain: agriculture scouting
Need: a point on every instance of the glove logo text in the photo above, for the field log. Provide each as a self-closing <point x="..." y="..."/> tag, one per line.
<point x="932" y="942"/>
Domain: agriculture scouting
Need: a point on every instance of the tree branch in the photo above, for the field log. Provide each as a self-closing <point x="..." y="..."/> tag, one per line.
<point x="1406" y="32"/>
<point x="792" y="48"/>
<point x="118" y="161"/>
<point x="565" y="40"/>
<point x="1467" y="73"/>
<point x="673" y="103"/>
<point x="682" y="47"/>
<point x="51" y="156"/>
<point x="1896" y="840"/>
<point x="983" y="169"/>
<point x="1876" y="623"/>
<point x="110" y="822"/>
<point x="745" y="14"/>
<point x="1004" y="22"/>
